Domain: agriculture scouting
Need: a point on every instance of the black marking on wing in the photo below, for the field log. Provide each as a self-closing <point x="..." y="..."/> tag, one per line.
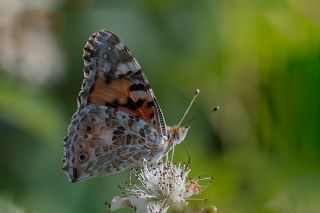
<point x="150" y="104"/>
<point x="139" y="102"/>
<point x="137" y="87"/>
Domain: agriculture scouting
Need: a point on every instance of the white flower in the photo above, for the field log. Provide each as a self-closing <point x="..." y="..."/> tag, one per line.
<point x="161" y="185"/>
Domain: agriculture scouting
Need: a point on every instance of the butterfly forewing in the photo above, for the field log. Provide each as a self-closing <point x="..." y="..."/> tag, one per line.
<point x="115" y="79"/>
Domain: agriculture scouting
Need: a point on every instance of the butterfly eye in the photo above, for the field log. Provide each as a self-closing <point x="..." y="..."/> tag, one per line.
<point x="83" y="157"/>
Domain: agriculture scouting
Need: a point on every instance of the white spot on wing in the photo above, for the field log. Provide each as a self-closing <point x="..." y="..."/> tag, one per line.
<point x="140" y="94"/>
<point x="123" y="68"/>
<point x="106" y="67"/>
<point x="133" y="66"/>
<point x="119" y="45"/>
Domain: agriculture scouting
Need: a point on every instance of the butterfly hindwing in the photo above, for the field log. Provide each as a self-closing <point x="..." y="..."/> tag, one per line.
<point x="102" y="140"/>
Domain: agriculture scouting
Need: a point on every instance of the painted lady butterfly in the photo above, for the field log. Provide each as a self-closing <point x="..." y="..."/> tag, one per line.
<point x="119" y="123"/>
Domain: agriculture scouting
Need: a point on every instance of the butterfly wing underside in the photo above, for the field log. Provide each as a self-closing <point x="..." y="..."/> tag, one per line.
<point x="113" y="77"/>
<point x="119" y="121"/>
<point x="105" y="141"/>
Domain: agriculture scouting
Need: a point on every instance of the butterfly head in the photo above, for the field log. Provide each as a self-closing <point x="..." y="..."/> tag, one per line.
<point x="176" y="134"/>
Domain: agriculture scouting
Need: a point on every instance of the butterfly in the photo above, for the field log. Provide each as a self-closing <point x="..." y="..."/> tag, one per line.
<point x="118" y="123"/>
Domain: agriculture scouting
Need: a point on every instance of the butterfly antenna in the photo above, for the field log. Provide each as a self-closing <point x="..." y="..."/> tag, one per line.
<point x="196" y="93"/>
<point x="204" y="114"/>
<point x="189" y="157"/>
<point x="172" y="152"/>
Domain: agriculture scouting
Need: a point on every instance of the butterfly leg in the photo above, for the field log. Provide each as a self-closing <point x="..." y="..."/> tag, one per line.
<point x="130" y="176"/>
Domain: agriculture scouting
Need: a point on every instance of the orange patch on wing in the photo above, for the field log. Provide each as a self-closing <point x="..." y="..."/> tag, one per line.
<point x="117" y="93"/>
<point x="116" y="90"/>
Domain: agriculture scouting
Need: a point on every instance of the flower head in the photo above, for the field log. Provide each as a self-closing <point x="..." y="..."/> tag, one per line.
<point x="161" y="185"/>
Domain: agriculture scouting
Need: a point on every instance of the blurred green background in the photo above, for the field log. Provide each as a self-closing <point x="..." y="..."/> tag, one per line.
<point x="258" y="60"/>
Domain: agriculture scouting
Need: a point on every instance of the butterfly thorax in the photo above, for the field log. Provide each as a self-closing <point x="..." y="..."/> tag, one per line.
<point x="176" y="135"/>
